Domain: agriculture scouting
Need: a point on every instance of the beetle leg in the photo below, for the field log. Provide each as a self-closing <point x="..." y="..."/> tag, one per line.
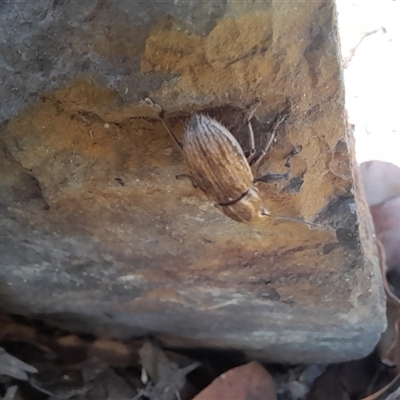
<point x="183" y="176"/>
<point x="272" y="177"/>
<point x="268" y="145"/>
<point x="267" y="178"/>
<point x="163" y="120"/>
<point x="167" y="127"/>
<point x="252" y="144"/>
<point x="263" y="152"/>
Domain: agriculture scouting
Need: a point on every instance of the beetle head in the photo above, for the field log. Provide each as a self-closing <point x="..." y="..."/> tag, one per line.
<point x="249" y="208"/>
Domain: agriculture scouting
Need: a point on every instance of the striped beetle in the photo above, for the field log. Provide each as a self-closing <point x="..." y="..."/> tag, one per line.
<point x="218" y="166"/>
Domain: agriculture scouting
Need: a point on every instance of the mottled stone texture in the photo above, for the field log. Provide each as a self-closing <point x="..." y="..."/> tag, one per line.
<point x="98" y="235"/>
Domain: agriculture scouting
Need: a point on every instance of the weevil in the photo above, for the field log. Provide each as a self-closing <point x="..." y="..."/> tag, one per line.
<point x="218" y="166"/>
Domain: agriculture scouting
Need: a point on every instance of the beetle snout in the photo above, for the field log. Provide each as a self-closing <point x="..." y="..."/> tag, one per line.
<point x="247" y="209"/>
<point x="265" y="212"/>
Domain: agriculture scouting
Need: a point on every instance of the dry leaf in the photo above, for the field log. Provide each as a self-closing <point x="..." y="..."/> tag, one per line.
<point x="389" y="345"/>
<point x="385" y="391"/>
<point x="168" y="379"/>
<point x="249" y="381"/>
<point x="13" y="367"/>
<point x="394" y="396"/>
<point x="349" y="380"/>
<point x="155" y="362"/>
<point x="66" y="381"/>
<point x="109" y="386"/>
<point x="381" y="181"/>
<point x="386" y="218"/>
<point x="328" y="386"/>
<point x="295" y="382"/>
<point x="10" y="393"/>
<point x="382" y="187"/>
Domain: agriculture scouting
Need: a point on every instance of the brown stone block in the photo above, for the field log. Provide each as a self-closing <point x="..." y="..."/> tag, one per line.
<point x="97" y="234"/>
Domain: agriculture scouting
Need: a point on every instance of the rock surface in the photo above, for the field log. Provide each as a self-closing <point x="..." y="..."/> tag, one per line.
<point x="97" y="234"/>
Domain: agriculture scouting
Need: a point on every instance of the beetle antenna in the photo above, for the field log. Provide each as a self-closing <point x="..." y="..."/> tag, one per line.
<point x="299" y="220"/>
<point x="161" y="115"/>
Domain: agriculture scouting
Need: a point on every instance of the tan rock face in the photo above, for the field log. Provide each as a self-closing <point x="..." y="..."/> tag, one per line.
<point x="95" y="223"/>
